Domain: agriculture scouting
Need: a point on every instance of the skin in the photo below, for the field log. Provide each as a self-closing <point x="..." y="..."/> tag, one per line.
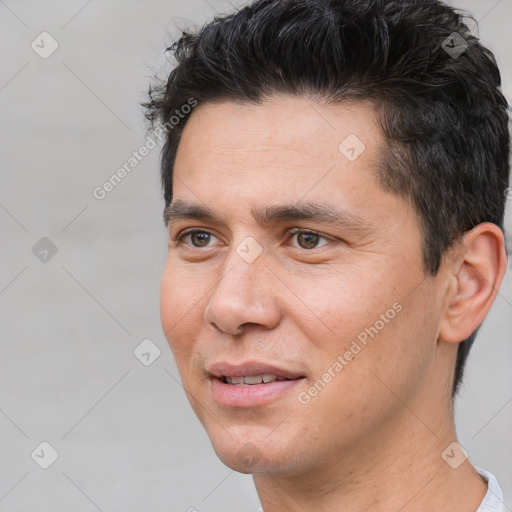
<point x="372" y="438"/>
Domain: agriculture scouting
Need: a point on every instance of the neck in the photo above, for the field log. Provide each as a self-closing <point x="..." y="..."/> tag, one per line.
<point x="401" y="468"/>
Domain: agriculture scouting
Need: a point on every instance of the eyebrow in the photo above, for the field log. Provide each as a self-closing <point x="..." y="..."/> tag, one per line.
<point x="311" y="211"/>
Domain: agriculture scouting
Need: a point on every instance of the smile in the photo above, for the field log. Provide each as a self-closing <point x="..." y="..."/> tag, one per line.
<point x="251" y="380"/>
<point x="252" y="391"/>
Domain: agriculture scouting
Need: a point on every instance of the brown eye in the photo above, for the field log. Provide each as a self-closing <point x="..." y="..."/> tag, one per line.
<point x="202" y="238"/>
<point x="308" y="239"/>
<point x="198" y="238"/>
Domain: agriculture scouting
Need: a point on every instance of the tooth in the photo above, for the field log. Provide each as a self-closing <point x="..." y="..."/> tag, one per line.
<point x="253" y="379"/>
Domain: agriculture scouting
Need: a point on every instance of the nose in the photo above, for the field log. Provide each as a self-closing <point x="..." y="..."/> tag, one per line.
<point x="246" y="294"/>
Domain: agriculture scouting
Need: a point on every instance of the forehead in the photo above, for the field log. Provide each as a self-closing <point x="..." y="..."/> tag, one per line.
<point x="284" y="133"/>
<point x="236" y="157"/>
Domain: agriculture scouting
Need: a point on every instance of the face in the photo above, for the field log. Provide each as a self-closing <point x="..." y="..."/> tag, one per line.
<point x="288" y="263"/>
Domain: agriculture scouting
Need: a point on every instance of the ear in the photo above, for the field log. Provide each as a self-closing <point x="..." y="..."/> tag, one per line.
<point x="478" y="274"/>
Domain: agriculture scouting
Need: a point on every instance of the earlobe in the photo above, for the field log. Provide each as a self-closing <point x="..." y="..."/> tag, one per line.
<point x="481" y="269"/>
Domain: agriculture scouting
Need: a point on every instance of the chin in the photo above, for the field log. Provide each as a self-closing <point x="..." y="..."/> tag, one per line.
<point x="249" y="455"/>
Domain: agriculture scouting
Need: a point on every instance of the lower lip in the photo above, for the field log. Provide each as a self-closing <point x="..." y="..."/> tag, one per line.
<point x="230" y="395"/>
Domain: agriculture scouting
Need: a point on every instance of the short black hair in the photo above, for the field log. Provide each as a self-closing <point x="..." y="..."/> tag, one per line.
<point x="436" y="88"/>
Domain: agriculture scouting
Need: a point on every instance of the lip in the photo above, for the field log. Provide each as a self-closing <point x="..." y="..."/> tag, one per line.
<point x="229" y="395"/>
<point x="226" y="369"/>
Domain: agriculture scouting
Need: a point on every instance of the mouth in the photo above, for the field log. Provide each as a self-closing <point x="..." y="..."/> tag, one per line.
<point x="251" y="372"/>
<point x="251" y="384"/>
<point x="252" y="380"/>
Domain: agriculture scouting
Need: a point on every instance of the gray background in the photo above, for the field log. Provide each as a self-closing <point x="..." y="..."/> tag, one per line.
<point x="126" y="436"/>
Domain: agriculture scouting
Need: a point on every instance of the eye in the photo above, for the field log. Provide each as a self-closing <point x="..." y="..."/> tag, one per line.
<point x="199" y="238"/>
<point x="308" y="239"/>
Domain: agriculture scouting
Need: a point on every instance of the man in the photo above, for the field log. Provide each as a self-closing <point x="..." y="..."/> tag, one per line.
<point x="335" y="176"/>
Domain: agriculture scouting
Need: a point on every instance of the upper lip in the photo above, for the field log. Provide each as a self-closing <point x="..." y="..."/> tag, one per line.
<point x="226" y="369"/>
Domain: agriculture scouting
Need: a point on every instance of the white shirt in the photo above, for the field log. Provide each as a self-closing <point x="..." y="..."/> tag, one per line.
<point x="493" y="499"/>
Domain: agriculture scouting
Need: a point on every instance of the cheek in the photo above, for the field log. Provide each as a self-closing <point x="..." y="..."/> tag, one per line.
<point x="377" y="328"/>
<point x="168" y="302"/>
<point x="387" y="345"/>
<point x="181" y="307"/>
<point x="336" y="306"/>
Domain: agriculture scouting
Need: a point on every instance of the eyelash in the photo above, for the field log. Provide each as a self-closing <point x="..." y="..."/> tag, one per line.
<point x="291" y="232"/>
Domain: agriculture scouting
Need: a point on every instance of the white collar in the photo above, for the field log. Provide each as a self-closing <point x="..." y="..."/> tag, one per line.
<point x="493" y="500"/>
